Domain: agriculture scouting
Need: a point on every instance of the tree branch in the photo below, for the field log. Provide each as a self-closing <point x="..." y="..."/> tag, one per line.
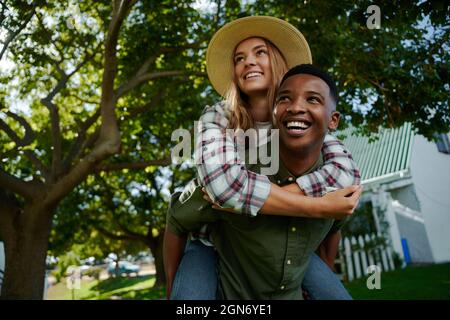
<point x="138" y="80"/>
<point x="133" y="165"/>
<point x="18" y="186"/>
<point x="114" y="236"/>
<point x="29" y="137"/>
<point x="76" y="148"/>
<point x="13" y="34"/>
<point x="109" y="140"/>
<point x="109" y="131"/>
<point x="87" y="144"/>
<point x="130" y="233"/>
<point x="56" y="137"/>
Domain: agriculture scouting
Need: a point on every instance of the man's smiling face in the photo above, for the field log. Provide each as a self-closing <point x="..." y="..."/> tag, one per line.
<point x="304" y="111"/>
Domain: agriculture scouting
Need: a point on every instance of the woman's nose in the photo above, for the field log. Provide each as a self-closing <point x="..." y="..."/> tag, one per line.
<point x="250" y="60"/>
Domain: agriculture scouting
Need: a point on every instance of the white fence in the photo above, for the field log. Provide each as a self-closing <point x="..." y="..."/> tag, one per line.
<point x="357" y="254"/>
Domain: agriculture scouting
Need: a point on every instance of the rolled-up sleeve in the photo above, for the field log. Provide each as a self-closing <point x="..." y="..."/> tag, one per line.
<point x="339" y="170"/>
<point x="188" y="211"/>
<point x="221" y="171"/>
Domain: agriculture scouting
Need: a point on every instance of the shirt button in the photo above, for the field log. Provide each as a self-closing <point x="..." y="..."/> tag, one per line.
<point x="290" y="179"/>
<point x="282" y="287"/>
<point x="279" y="181"/>
<point x="293" y="229"/>
<point x="288" y="262"/>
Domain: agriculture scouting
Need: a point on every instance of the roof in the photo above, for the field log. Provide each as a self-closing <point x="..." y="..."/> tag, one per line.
<point x="388" y="156"/>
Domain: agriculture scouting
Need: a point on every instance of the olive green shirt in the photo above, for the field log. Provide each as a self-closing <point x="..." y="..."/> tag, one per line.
<point x="262" y="257"/>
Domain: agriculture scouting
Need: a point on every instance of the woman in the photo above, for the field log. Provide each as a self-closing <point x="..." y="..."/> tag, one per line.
<point x="245" y="62"/>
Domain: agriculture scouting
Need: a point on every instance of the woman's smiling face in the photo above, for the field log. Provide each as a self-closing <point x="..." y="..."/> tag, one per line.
<point x="252" y="69"/>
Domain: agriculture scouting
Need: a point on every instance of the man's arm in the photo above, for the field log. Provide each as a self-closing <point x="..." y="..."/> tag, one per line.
<point x="172" y="253"/>
<point x="188" y="211"/>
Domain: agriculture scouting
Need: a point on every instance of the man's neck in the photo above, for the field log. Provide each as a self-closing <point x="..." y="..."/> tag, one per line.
<point x="259" y="108"/>
<point x="299" y="162"/>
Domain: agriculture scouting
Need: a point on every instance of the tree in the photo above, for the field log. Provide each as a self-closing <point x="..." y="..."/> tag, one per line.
<point x="98" y="75"/>
<point x="388" y="76"/>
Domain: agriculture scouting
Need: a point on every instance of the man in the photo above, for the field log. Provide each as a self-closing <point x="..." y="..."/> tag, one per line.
<point x="265" y="257"/>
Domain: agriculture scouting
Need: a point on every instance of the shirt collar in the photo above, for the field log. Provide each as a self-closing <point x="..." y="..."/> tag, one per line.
<point x="284" y="176"/>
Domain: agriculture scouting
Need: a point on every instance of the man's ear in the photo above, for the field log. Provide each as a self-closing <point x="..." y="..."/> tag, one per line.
<point x="334" y="121"/>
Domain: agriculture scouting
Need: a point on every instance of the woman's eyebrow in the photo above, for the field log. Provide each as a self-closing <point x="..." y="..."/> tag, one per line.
<point x="253" y="49"/>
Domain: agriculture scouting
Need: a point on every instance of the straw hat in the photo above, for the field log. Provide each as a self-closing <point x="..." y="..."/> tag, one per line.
<point x="219" y="56"/>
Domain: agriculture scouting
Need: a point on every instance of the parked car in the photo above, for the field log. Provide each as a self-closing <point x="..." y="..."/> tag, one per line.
<point x="125" y="267"/>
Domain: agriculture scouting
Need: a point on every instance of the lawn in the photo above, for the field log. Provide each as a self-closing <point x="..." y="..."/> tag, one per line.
<point x="112" y="288"/>
<point x="425" y="282"/>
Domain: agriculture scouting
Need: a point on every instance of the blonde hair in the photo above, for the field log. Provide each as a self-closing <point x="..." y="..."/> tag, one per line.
<point x="236" y="101"/>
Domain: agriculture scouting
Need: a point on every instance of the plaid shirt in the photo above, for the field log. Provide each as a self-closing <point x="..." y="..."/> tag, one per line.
<point x="231" y="185"/>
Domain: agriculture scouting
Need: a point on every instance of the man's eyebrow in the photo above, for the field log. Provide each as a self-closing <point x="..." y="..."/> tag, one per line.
<point x="283" y="92"/>
<point x="253" y="49"/>
<point x="315" y="92"/>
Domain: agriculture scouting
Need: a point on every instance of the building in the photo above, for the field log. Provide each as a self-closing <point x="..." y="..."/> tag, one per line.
<point x="406" y="179"/>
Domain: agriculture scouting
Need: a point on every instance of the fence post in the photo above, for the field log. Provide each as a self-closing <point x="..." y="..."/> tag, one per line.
<point x="356" y="258"/>
<point x="383" y="255"/>
<point x="390" y="259"/>
<point x="376" y="251"/>
<point x="363" y="254"/>
<point x="369" y="250"/>
<point x="348" y="259"/>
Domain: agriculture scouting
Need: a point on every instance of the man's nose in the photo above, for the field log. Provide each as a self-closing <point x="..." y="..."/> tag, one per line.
<point x="298" y="106"/>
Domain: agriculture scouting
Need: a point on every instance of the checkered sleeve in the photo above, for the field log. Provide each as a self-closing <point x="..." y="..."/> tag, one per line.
<point x="219" y="168"/>
<point x="339" y="170"/>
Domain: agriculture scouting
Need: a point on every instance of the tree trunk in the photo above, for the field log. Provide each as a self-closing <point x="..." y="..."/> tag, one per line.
<point x="156" y="247"/>
<point x="26" y="243"/>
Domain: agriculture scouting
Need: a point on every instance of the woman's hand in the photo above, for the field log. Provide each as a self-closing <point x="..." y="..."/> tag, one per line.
<point x="340" y="203"/>
<point x="215" y="205"/>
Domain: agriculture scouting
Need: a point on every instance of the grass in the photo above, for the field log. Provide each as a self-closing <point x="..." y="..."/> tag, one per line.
<point x="139" y="288"/>
<point x="424" y="282"/>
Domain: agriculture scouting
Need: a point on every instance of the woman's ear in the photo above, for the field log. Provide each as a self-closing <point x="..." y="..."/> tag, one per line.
<point x="334" y="121"/>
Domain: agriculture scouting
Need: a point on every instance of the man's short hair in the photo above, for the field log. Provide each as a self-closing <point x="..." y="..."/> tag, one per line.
<point x="315" y="71"/>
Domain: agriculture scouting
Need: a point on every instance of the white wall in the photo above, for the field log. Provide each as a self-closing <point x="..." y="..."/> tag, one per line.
<point x="2" y="262"/>
<point x="430" y="171"/>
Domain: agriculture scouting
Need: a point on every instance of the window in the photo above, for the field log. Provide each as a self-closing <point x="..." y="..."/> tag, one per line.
<point x="442" y="142"/>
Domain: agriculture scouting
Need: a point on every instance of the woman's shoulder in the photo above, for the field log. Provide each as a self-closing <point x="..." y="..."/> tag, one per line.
<point x="219" y="107"/>
<point x="215" y="111"/>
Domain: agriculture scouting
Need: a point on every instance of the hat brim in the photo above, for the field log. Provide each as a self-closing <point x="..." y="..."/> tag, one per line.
<point x="219" y="56"/>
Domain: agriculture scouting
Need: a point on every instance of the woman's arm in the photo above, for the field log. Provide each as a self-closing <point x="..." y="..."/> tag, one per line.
<point x="220" y="170"/>
<point x="329" y="248"/>
<point x="229" y="184"/>
<point x="338" y="204"/>
<point x="339" y="170"/>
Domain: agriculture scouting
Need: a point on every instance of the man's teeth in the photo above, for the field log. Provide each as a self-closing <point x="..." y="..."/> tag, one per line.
<point x="297" y="124"/>
<point x="252" y="74"/>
